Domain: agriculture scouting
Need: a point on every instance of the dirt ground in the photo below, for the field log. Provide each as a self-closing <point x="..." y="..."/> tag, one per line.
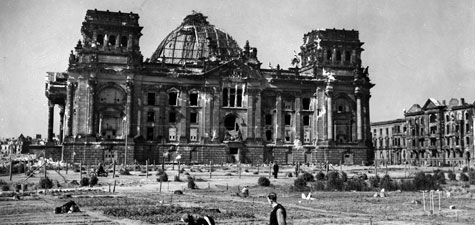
<point x="219" y="192"/>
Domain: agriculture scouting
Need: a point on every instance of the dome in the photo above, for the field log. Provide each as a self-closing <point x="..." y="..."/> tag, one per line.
<point x="195" y="39"/>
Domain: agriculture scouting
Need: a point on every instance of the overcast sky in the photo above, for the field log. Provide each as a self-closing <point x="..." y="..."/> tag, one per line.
<point x="415" y="49"/>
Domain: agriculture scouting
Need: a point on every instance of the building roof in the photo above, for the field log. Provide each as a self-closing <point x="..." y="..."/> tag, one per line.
<point x="196" y="39"/>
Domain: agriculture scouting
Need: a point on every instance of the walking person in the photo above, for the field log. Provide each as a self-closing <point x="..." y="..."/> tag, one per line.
<point x="276" y="170"/>
<point x="278" y="216"/>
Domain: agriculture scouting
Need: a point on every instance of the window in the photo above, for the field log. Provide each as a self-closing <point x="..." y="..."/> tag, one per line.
<point x="112" y="40"/>
<point x="467" y="141"/>
<point x="232" y="97"/>
<point x="100" y="39"/>
<point x="288" y="134"/>
<point x="432" y="118"/>
<point x="338" y="55"/>
<point x="193" y="134"/>
<point x="306" y="120"/>
<point x="193" y="117"/>
<point x="172" y="117"/>
<point x="172" y="134"/>
<point x="287" y="119"/>
<point x="150" y="116"/>
<point x="387" y="131"/>
<point x="172" y="98"/>
<point x="151" y="98"/>
<point x="306" y="103"/>
<point x="306" y="136"/>
<point x="123" y="41"/>
<point x="194" y="99"/>
<point x="347" y="56"/>
<point x="329" y="55"/>
<point x="467" y="128"/>
<point x="287" y="104"/>
<point x="149" y="133"/>
<point x="268" y="135"/>
<point x="268" y="119"/>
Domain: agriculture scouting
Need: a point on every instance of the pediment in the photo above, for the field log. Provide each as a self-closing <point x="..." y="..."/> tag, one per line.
<point x="234" y="70"/>
<point x="414" y="108"/>
<point x="431" y="103"/>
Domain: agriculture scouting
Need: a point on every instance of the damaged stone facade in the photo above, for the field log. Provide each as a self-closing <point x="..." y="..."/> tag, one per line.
<point x="436" y="134"/>
<point x="204" y="98"/>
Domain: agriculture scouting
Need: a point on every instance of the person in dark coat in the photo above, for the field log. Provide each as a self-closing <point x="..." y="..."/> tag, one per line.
<point x="276" y="170"/>
<point x="197" y="219"/>
<point x="278" y="216"/>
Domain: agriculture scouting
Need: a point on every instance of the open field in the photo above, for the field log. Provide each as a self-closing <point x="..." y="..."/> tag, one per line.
<point x="138" y="200"/>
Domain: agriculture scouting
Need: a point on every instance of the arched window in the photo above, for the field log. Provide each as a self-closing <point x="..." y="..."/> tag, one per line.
<point x="329" y="55"/>
<point x="123" y="41"/>
<point x="112" y="40"/>
<point x="100" y="39"/>
<point x="432" y="118"/>
<point x="338" y="55"/>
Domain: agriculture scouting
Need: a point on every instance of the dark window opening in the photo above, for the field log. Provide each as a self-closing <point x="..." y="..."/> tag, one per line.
<point x="112" y="40"/>
<point x="150" y="116"/>
<point x="340" y="108"/>
<point x="172" y="98"/>
<point x="193" y="117"/>
<point x="306" y="120"/>
<point x="100" y="39"/>
<point x="268" y="119"/>
<point x="268" y="135"/>
<point x="172" y="117"/>
<point x="347" y="56"/>
<point x="123" y="41"/>
<point x="230" y="123"/>
<point x="233" y="151"/>
<point x="287" y="119"/>
<point x="329" y="55"/>
<point x="232" y="96"/>
<point x="338" y="55"/>
<point x="149" y="133"/>
<point x="306" y="103"/>
<point x="194" y="99"/>
<point x="239" y="98"/>
<point x="225" y="97"/>
<point x="151" y="98"/>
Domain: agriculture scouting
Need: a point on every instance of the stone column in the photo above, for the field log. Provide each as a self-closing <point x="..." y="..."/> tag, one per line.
<point x="90" y="119"/>
<point x="130" y="42"/>
<point x="69" y="109"/>
<point x="258" y="115"/>
<point x="334" y="56"/>
<point x="250" y="112"/>
<point x="298" y="119"/>
<point x="278" y="118"/>
<point x="100" y="124"/>
<point x="128" y="117"/>
<point x="50" y="120"/>
<point x="359" y="130"/>
<point x="329" y="92"/>
<point x="61" y="122"/>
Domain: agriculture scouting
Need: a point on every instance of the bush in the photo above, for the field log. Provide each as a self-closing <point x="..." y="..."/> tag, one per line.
<point x="84" y="181"/>
<point x="45" y="182"/>
<point x="319" y="185"/>
<point x="465" y="169"/>
<point x="191" y="183"/>
<point x="451" y="175"/>
<point x="355" y="184"/>
<point x="162" y="177"/>
<point x="374" y="181"/>
<point x="334" y="181"/>
<point x="300" y="183"/>
<point x="320" y="176"/>
<point x="464" y="177"/>
<point x="263" y="181"/>
<point x="5" y="187"/>
<point x="344" y="176"/>
<point x="386" y="183"/>
<point x="439" y="175"/>
<point x="407" y="185"/>
<point x="425" y="182"/>
<point x="93" y="180"/>
<point x="308" y="177"/>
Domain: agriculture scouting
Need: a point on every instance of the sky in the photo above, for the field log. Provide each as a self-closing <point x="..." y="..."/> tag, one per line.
<point x="415" y="49"/>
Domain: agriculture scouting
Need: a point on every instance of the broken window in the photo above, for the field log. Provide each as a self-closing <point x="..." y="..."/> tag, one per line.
<point x="288" y="134"/>
<point x="151" y="98"/>
<point x="100" y="39"/>
<point x="268" y="135"/>
<point x="338" y="55"/>
<point x="150" y="116"/>
<point x="306" y="120"/>
<point x="287" y="119"/>
<point x="194" y="99"/>
<point x="123" y="41"/>
<point x="172" y="98"/>
<point x="111" y="40"/>
<point x="306" y="136"/>
<point x="306" y="103"/>
<point x="149" y="133"/>
<point x="172" y="117"/>
<point x="193" y="117"/>
<point x="329" y="55"/>
<point x="347" y="56"/>
<point x="268" y="119"/>
<point x="232" y="97"/>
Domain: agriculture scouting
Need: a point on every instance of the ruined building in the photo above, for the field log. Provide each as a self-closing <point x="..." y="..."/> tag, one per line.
<point x="203" y="97"/>
<point x="436" y="134"/>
